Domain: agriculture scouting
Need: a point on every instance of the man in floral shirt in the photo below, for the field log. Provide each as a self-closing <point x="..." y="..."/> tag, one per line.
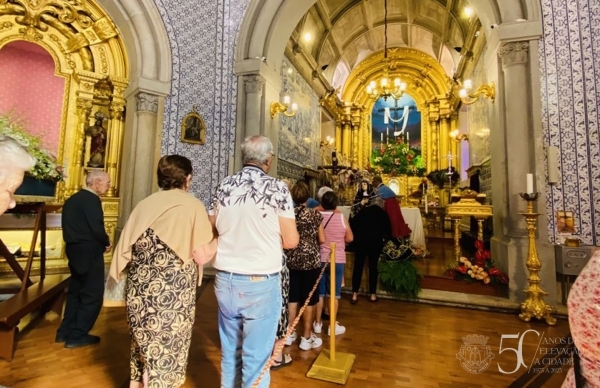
<point x="253" y="214"/>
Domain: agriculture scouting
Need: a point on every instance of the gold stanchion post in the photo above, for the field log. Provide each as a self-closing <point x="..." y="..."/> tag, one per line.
<point x="331" y="366"/>
<point x="534" y="305"/>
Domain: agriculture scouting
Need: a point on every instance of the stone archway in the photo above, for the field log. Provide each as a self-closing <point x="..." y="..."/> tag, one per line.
<point x="513" y="29"/>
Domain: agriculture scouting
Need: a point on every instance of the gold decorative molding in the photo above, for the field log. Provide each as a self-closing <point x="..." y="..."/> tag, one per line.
<point x="90" y="55"/>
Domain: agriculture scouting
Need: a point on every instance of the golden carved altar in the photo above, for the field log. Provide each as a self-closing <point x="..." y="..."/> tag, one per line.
<point x="467" y="207"/>
<point x="427" y="83"/>
<point x="90" y="55"/>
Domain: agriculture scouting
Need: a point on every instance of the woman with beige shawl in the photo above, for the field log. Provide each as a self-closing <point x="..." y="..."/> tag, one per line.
<point x="160" y="254"/>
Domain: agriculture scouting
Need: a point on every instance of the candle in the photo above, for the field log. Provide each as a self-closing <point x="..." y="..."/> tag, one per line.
<point x="425" y="203"/>
<point x="382" y="137"/>
<point x="387" y="132"/>
<point x="407" y="136"/>
<point x="529" y="183"/>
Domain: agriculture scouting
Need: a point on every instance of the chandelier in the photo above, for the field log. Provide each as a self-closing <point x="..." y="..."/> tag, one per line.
<point x="385" y="88"/>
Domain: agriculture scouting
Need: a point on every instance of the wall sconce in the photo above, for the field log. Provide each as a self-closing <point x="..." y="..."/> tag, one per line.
<point x="487" y="91"/>
<point x="277" y="107"/>
<point x="459" y="137"/>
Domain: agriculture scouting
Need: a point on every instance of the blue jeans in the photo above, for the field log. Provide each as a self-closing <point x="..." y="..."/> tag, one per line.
<point x="326" y="280"/>
<point x="249" y="309"/>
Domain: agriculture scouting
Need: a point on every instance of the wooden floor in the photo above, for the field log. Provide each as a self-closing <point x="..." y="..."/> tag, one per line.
<point x="396" y="345"/>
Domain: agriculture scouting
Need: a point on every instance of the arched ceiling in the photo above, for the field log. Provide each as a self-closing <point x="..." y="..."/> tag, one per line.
<point x="345" y="32"/>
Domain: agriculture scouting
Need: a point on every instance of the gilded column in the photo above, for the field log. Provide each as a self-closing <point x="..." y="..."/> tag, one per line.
<point x="346" y="139"/>
<point x="84" y="110"/>
<point x="147" y="108"/>
<point x="338" y="135"/>
<point x="444" y="141"/>
<point x="115" y="138"/>
<point x="514" y="57"/>
<point x="355" y="148"/>
<point x="434" y="127"/>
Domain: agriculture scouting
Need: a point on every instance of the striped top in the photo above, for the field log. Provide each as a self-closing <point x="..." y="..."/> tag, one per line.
<point x="334" y="233"/>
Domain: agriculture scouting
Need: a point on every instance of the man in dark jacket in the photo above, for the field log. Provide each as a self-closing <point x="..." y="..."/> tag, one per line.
<point x="86" y="241"/>
<point x="371" y="226"/>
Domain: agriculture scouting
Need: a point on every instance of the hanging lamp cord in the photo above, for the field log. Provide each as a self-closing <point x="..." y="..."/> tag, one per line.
<point x="385" y="27"/>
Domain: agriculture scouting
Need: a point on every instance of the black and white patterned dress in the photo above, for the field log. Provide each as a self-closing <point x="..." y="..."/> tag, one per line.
<point x="161" y="303"/>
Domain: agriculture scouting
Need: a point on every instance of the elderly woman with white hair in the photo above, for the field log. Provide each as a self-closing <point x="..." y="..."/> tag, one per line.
<point x="14" y="161"/>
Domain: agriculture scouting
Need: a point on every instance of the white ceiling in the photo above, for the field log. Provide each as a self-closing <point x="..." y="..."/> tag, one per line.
<point x="344" y="32"/>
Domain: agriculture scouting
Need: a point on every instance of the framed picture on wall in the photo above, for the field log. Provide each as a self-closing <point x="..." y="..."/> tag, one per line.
<point x="193" y="128"/>
<point x="565" y="222"/>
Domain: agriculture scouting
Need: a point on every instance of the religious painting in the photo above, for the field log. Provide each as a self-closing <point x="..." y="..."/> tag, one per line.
<point x="193" y="128"/>
<point x="565" y="222"/>
<point x="394" y="120"/>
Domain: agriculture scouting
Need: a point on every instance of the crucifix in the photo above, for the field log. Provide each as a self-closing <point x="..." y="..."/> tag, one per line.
<point x="395" y="120"/>
<point x="449" y="157"/>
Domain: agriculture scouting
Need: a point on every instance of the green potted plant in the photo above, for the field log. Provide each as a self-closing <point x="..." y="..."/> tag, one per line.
<point x="42" y="178"/>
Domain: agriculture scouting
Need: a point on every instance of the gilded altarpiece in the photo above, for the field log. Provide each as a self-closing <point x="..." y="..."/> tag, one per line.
<point x="434" y="93"/>
<point x="89" y="53"/>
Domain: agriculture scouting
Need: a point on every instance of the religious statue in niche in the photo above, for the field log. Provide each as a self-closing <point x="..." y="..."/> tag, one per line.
<point x="193" y="128"/>
<point x="98" y="144"/>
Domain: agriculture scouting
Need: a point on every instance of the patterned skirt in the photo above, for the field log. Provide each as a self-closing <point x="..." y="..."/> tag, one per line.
<point x="284" y="276"/>
<point x="161" y="303"/>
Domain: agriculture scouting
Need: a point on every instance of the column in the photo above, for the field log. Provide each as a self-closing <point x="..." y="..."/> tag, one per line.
<point x="434" y="124"/>
<point x="355" y="132"/>
<point x="114" y="141"/>
<point x="444" y="141"/>
<point x="346" y="139"/>
<point x="254" y="86"/>
<point x="147" y="108"/>
<point x="338" y="136"/>
<point x="84" y="110"/>
<point x="514" y="57"/>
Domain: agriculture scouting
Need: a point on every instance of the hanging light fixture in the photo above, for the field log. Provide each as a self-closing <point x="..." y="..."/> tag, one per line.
<point x="385" y="88"/>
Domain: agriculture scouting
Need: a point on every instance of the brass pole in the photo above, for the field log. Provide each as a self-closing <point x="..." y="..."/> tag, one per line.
<point x="332" y="296"/>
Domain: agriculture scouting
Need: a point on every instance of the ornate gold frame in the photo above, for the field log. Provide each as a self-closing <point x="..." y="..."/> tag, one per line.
<point x="185" y="136"/>
<point x="89" y="53"/>
<point x="435" y="93"/>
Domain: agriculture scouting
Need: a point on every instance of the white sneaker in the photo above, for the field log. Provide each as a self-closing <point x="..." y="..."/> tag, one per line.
<point x="312" y="342"/>
<point x="339" y="329"/>
<point x="290" y="340"/>
<point x="317" y="327"/>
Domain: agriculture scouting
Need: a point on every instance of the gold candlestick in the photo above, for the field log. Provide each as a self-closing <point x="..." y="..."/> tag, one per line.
<point x="534" y="305"/>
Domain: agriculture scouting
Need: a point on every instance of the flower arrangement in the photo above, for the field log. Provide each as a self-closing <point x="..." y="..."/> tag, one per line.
<point x="397" y="159"/>
<point x="479" y="268"/>
<point x="46" y="167"/>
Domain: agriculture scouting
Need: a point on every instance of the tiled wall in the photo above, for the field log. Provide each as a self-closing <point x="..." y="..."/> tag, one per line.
<point x="570" y="67"/>
<point x="202" y="35"/>
<point x="299" y="135"/>
<point x="479" y="134"/>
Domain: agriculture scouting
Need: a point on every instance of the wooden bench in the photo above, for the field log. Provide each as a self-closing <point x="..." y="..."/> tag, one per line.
<point x="47" y="295"/>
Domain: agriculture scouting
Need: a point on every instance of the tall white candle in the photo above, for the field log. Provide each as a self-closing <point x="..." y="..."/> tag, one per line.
<point x="382" y="137"/>
<point x="529" y="183"/>
<point x="425" y="203"/>
<point x="407" y="136"/>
